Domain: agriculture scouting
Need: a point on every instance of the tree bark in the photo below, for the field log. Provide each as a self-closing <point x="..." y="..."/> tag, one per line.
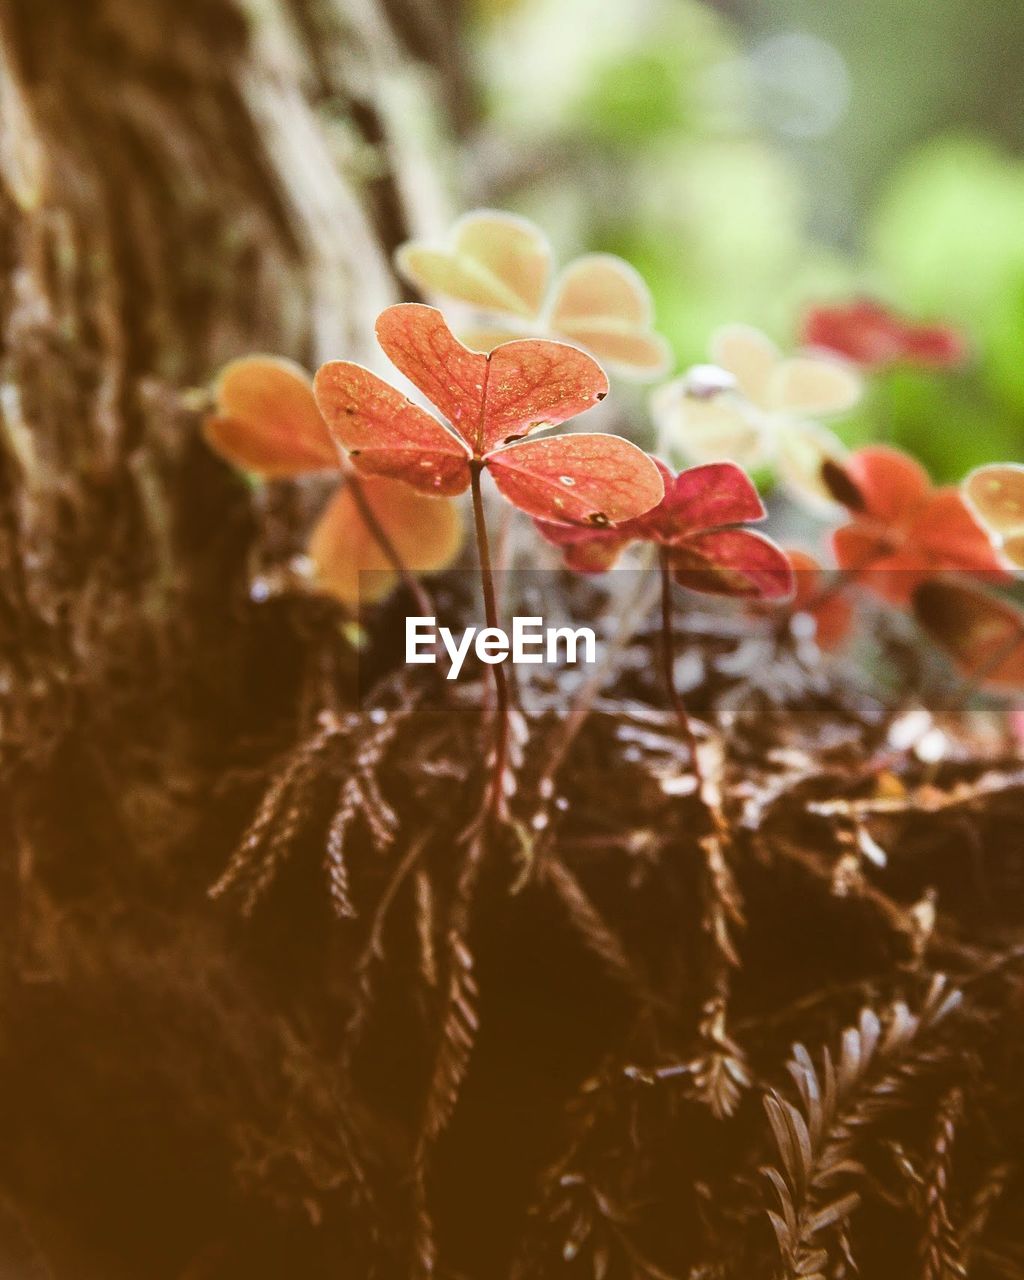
<point x="181" y="181"/>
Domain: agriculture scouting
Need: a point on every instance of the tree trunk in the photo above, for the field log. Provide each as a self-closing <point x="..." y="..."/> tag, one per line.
<point x="179" y="184"/>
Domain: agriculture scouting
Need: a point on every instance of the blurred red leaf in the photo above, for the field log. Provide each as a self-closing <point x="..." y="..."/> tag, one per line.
<point x="732" y="562"/>
<point x="872" y="335"/>
<point x="982" y="633"/>
<point x="491" y="403"/>
<point x="705" y="497"/>
<point x="692" y="524"/>
<point x="889" y="483"/>
<point x="903" y="530"/>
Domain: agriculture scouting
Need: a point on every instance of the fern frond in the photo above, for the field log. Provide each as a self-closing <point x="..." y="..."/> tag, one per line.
<point x="940" y="1243"/>
<point x="816" y="1140"/>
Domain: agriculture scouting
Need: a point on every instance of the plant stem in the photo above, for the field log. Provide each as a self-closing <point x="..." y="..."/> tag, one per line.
<point x="502" y="549"/>
<point x="630" y="615"/>
<point x="379" y="534"/>
<point x="496" y="795"/>
<point x="668" y="667"/>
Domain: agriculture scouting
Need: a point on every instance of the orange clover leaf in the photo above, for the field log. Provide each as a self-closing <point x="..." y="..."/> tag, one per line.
<point x="266" y="421"/>
<point x="353" y="566"/>
<point x="492" y="402"/>
<point x="902" y="530"/>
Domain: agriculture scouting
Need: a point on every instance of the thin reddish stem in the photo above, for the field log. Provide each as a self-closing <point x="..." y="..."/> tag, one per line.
<point x="669" y="665"/>
<point x="503" y="547"/>
<point x="636" y="608"/>
<point x="496" y="794"/>
<point x="379" y="534"/>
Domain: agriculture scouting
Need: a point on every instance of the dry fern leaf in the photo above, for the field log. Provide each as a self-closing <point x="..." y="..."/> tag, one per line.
<point x="358" y="744"/>
<point x="940" y="1248"/>
<point x="816" y="1140"/>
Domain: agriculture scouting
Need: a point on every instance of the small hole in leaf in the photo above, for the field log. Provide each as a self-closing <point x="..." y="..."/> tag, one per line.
<point x="598" y="519"/>
<point x="567" y="480"/>
<point x="601" y="395"/>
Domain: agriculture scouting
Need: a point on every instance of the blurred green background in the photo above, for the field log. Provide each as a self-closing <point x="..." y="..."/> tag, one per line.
<point x="751" y="158"/>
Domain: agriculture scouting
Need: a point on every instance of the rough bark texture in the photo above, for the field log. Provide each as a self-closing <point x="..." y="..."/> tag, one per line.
<point x="181" y="181"/>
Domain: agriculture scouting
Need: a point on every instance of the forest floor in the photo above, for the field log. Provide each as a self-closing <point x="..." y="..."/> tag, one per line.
<point x="394" y="1042"/>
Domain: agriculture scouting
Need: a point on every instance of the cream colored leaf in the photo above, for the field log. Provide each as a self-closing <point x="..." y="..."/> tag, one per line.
<point x="1013" y="550"/>
<point x="604" y="305"/>
<point x="721" y="428"/>
<point x="996" y="496"/>
<point x="485" y="339"/>
<point x="749" y="356"/>
<point x="813" y="385"/>
<point x="492" y="260"/>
